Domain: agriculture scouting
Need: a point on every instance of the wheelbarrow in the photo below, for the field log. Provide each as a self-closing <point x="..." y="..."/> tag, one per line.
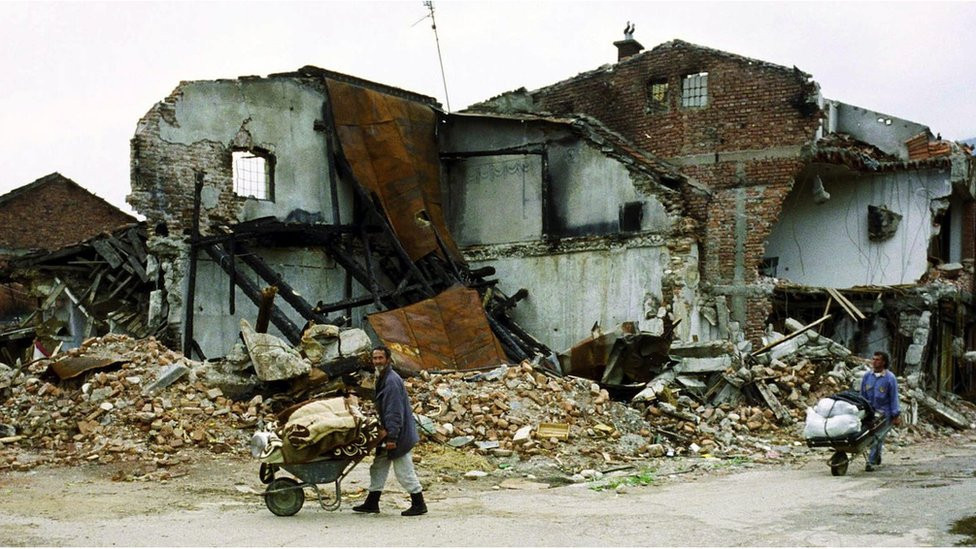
<point x="845" y="448"/>
<point x="285" y="496"/>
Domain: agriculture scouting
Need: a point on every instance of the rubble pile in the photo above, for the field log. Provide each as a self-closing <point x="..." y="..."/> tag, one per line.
<point x="121" y="412"/>
<point x="518" y="410"/>
<point x="122" y="400"/>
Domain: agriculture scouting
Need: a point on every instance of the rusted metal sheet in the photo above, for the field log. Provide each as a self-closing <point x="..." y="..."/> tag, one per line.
<point x="447" y="332"/>
<point x="391" y="146"/>
<point x="73" y="366"/>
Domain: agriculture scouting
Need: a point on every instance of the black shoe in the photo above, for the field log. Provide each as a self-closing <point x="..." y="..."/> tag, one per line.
<point x="417" y="505"/>
<point x="371" y="505"/>
<point x="869" y="468"/>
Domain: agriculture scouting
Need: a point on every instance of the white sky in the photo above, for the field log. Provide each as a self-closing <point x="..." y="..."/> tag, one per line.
<point x="77" y="76"/>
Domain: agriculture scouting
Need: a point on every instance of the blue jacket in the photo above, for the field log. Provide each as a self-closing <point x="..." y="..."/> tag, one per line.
<point x="396" y="414"/>
<point x="882" y="393"/>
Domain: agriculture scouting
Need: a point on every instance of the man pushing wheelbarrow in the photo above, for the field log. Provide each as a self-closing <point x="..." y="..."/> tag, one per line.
<point x="396" y="418"/>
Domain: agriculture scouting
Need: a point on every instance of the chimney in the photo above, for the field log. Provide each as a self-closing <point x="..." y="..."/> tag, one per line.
<point x="628" y="46"/>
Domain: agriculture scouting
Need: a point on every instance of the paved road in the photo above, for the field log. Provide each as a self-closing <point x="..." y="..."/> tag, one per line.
<point x="913" y="500"/>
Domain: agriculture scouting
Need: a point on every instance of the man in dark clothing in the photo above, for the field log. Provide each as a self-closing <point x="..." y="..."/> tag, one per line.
<point x="880" y="388"/>
<point x="396" y="417"/>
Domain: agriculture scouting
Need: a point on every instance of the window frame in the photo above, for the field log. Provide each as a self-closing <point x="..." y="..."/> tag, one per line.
<point x="695" y="96"/>
<point x="269" y="173"/>
<point x="663" y="105"/>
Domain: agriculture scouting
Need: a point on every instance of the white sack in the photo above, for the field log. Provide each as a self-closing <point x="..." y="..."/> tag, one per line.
<point x="828" y="407"/>
<point x="818" y="426"/>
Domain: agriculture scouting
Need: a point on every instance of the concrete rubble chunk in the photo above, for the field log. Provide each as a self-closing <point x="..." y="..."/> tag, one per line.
<point x="703" y="365"/>
<point x="166" y="377"/>
<point x="460" y="441"/>
<point x="523" y="434"/>
<point x="273" y="358"/>
<point x="708" y="349"/>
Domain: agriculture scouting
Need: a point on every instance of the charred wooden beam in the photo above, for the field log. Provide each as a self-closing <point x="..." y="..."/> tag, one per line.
<point x="264" y="309"/>
<point x="362" y="300"/>
<point x="286" y="291"/>
<point x="250" y="289"/>
<point x="191" y="275"/>
<point x="521" y="149"/>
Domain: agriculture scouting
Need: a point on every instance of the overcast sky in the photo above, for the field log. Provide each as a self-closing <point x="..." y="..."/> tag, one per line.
<point x="77" y="76"/>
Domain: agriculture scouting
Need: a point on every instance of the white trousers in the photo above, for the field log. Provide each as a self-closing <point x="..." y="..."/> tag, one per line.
<point x="402" y="468"/>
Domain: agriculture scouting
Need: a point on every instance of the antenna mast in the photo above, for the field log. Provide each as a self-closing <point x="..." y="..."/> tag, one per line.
<point x="429" y="4"/>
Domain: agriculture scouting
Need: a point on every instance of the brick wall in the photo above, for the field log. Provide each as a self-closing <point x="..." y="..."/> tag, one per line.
<point x="752" y="106"/>
<point x="55" y="213"/>
<point x="163" y="176"/>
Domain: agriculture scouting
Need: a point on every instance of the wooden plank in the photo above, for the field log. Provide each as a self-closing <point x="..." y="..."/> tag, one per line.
<point x="106" y="250"/>
<point x="778" y="410"/>
<point x="136" y="242"/>
<point x="49" y="301"/>
<point x="830" y="301"/>
<point x="852" y="306"/>
<point x="833" y="293"/>
<point x="849" y="307"/>
<point x="791" y="336"/>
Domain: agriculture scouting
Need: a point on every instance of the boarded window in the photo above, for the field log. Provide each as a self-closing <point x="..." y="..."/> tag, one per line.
<point x="253" y="174"/>
<point x="694" y="90"/>
<point x="657" y="96"/>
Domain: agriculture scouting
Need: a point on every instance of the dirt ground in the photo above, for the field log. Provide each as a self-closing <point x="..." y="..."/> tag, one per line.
<point x="921" y="494"/>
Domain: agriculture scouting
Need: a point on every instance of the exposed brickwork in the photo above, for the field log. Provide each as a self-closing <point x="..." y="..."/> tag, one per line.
<point x="752" y="106"/>
<point x="54" y="212"/>
<point x="163" y="175"/>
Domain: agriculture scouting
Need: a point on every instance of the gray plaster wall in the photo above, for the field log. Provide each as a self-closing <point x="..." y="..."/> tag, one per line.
<point x="495" y="199"/>
<point x="278" y="114"/>
<point x="827" y="244"/>
<point x="884" y="131"/>
<point x="499" y="199"/>
<point x="588" y="189"/>
<point x="495" y="202"/>
<point x="568" y="292"/>
<point x="310" y="272"/>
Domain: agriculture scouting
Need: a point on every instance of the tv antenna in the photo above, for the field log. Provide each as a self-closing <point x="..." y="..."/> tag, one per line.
<point x="429" y="4"/>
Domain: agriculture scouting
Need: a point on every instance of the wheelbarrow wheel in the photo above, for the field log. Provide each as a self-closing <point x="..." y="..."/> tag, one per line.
<point x="284" y="497"/>
<point x="838" y="464"/>
<point x="267" y="472"/>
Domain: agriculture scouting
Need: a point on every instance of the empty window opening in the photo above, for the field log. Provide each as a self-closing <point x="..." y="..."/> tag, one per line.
<point x="657" y="96"/>
<point x="769" y="266"/>
<point x="631" y="216"/>
<point x="253" y="174"/>
<point x="694" y="90"/>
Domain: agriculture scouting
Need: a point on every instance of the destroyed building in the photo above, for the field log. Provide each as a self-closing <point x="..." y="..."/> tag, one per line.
<point x="326" y="187"/>
<point x="803" y="194"/>
<point x="58" y="290"/>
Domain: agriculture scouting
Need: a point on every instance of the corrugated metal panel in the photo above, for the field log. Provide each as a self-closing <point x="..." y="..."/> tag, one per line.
<point x="447" y="332"/>
<point x="391" y="145"/>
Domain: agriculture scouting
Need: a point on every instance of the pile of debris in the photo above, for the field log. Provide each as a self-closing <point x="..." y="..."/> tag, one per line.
<point x="517" y="410"/>
<point x="116" y="399"/>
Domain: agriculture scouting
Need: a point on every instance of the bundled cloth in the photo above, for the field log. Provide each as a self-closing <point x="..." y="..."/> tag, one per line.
<point x="837" y="417"/>
<point x="322" y="428"/>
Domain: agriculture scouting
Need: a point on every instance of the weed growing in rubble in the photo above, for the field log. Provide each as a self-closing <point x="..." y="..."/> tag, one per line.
<point x="645" y="478"/>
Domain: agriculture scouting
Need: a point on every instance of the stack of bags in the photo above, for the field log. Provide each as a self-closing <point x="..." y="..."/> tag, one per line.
<point x="835" y="417"/>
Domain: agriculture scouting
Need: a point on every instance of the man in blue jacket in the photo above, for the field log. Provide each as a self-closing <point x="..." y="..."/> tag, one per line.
<point x="396" y="417"/>
<point x="880" y="388"/>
